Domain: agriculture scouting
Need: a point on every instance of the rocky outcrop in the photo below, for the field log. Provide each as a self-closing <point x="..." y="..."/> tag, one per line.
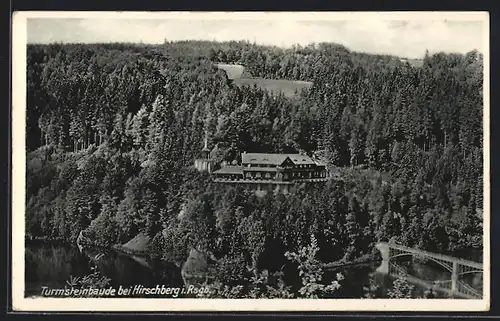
<point x="136" y="246"/>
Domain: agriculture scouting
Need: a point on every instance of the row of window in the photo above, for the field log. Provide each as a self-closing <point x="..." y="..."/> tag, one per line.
<point x="285" y="176"/>
<point x="279" y="176"/>
<point x="274" y="166"/>
<point x="309" y="174"/>
<point x="259" y="175"/>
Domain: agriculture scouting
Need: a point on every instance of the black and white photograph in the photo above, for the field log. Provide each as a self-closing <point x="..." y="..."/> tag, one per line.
<point x="203" y="158"/>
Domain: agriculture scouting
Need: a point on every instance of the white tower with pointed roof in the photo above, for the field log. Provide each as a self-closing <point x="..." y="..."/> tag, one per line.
<point x="205" y="163"/>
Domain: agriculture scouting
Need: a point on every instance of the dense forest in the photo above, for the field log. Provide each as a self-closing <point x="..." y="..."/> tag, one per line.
<point x="112" y="131"/>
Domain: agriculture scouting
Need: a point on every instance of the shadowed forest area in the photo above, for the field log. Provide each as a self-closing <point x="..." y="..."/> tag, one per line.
<point x="113" y="129"/>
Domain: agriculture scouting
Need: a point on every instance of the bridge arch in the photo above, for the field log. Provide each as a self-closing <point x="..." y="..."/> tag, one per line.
<point x="442" y="264"/>
<point x="470" y="272"/>
<point x="456" y="266"/>
<point x="401" y="255"/>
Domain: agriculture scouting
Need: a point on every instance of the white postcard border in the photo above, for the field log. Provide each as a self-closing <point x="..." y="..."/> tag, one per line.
<point x="20" y="303"/>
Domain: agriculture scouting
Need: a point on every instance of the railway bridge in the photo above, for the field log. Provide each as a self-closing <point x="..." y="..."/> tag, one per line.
<point x="456" y="266"/>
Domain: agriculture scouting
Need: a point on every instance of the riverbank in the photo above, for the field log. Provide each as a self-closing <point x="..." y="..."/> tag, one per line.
<point x="122" y="249"/>
<point x="139" y="246"/>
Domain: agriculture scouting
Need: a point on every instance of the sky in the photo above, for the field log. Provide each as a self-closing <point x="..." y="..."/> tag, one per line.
<point x="404" y="37"/>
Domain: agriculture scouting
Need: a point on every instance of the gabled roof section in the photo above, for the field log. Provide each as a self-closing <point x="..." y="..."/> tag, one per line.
<point x="299" y="159"/>
<point x="275" y="159"/>
<point x="262" y="158"/>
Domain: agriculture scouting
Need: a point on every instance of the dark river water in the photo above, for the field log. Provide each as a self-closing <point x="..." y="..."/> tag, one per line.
<point x="51" y="265"/>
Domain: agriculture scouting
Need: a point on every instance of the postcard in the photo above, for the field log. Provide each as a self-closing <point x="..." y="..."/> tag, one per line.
<point x="250" y="161"/>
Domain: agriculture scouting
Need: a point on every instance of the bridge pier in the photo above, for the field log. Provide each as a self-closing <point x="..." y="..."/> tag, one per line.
<point x="454" y="277"/>
<point x="385" y="252"/>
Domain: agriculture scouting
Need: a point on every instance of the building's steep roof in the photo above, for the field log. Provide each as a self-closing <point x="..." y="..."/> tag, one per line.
<point x="262" y="158"/>
<point x="275" y="159"/>
<point x="299" y="159"/>
<point x="230" y="169"/>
